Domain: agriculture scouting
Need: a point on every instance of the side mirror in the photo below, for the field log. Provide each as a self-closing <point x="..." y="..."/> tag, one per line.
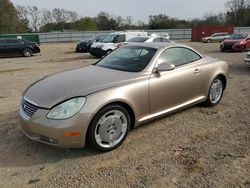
<point x="97" y="40"/>
<point x="164" y="67"/>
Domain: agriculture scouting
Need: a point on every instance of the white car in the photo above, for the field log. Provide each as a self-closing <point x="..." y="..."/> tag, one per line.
<point x="113" y="41"/>
<point x="162" y="34"/>
<point x="148" y="39"/>
<point x="247" y="59"/>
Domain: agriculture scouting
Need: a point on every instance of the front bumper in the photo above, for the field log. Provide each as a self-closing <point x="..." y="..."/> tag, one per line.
<point x="52" y="132"/>
<point x="247" y="60"/>
<point x="232" y="47"/>
<point x="81" y="48"/>
<point x="97" y="52"/>
<point x="36" y="49"/>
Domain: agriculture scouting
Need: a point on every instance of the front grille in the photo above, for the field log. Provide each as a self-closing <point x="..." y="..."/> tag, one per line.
<point x="228" y="46"/>
<point x="29" y="108"/>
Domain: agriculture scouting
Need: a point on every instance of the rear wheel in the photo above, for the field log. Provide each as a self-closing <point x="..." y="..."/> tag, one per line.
<point x="109" y="128"/>
<point x="215" y="92"/>
<point x="27" y="52"/>
<point x="209" y="40"/>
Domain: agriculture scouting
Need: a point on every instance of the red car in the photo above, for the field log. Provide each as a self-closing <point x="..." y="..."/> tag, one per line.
<point x="236" y="42"/>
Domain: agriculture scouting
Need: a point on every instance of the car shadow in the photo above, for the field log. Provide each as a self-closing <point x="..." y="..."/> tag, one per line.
<point x="17" y="150"/>
<point x="17" y="56"/>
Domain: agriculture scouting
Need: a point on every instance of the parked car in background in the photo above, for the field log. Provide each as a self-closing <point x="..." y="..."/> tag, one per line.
<point x="236" y="42"/>
<point x="147" y="39"/>
<point x="162" y="34"/>
<point x="100" y="103"/>
<point x="247" y="59"/>
<point x="13" y="46"/>
<point x="84" y="45"/>
<point x="112" y="42"/>
<point x="216" y="37"/>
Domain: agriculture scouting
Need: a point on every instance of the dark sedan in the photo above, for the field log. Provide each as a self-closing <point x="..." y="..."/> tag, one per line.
<point x="84" y="46"/>
<point x="9" y="46"/>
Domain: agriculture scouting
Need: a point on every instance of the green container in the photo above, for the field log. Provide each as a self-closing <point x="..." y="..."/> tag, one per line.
<point x="28" y="37"/>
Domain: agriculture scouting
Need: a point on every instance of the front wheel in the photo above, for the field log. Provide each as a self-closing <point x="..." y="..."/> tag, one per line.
<point x="27" y="52"/>
<point x="215" y="92"/>
<point x="109" y="128"/>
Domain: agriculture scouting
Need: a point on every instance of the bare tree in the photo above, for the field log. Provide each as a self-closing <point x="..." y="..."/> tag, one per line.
<point x="57" y="15"/>
<point x="65" y="15"/>
<point x="238" y="12"/>
<point x="35" y="18"/>
<point x="22" y="12"/>
<point x="73" y="16"/>
<point x="46" y="17"/>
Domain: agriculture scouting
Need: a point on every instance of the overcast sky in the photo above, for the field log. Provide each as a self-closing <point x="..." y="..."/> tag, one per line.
<point x="138" y="9"/>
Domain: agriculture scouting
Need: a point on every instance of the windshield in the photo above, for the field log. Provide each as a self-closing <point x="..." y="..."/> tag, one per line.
<point x="129" y="59"/>
<point x="238" y="36"/>
<point x="138" y="39"/>
<point x="109" y="38"/>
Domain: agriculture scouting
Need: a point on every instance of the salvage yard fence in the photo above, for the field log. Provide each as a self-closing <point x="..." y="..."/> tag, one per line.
<point x="175" y="34"/>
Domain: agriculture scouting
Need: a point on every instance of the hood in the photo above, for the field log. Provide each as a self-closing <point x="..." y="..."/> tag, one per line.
<point x="59" y="87"/>
<point x="233" y="40"/>
<point x="95" y="44"/>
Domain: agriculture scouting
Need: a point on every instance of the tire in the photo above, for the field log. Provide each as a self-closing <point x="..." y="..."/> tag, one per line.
<point x="244" y="48"/>
<point x="215" y="92"/>
<point x="209" y="40"/>
<point x="222" y="49"/>
<point x="109" y="128"/>
<point x="108" y="52"/>
<point x="27" y="52"/>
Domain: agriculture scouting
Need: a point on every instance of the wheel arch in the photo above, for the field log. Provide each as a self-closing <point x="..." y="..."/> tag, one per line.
<point x="28" y="47"/>
<point x="224" y="80"/>
<point x="116" y="102"/>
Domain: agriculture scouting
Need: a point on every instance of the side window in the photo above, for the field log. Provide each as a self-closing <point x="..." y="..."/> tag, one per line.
<point x="195" y="56"/>
<point x="178" y="56"/>
<point x="120" y="38"/>
<point x="14" y="41"/>
<point x="3" y="42"/>
<point x="165" y="40"/>
<point x="157" y="40"/>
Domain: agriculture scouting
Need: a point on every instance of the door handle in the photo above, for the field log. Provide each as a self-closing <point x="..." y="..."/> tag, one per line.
<point x="196" y="71"/>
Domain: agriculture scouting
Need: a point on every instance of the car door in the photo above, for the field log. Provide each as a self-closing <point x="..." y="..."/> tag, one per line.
<point x="14" y="46"/>
<point x="3" y="46"/>
<point x="173" y="88"/>
<point x="248" y="43"/>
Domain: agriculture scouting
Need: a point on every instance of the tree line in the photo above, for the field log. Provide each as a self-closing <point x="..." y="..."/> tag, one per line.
<point x="32" y="19"/>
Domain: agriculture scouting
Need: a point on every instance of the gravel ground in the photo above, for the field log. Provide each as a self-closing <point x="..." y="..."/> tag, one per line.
<point x="214" y="142"/>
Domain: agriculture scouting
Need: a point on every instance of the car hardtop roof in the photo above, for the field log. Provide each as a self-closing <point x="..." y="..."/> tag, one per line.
<point x="124" y="32"/>
<point x="158" y="45"/>
<point x="10" y="39"/>
<point x="221" y="33"/>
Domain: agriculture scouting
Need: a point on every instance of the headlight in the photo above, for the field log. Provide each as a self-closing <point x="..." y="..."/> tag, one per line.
<point x="67" y="109"/>
<point x="99" y="46"/>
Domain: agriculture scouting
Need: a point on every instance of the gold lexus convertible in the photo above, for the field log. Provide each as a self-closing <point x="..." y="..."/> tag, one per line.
<point x="100" y="103"/>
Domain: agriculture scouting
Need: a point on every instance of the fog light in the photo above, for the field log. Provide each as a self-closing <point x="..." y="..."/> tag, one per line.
<point x="49" y="140"/>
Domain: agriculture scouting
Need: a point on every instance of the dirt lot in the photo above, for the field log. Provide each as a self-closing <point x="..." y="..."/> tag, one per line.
<point x="215" y="141"/>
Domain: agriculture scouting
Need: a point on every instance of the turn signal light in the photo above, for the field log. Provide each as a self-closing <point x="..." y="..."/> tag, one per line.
<point x="69" y="134"/>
